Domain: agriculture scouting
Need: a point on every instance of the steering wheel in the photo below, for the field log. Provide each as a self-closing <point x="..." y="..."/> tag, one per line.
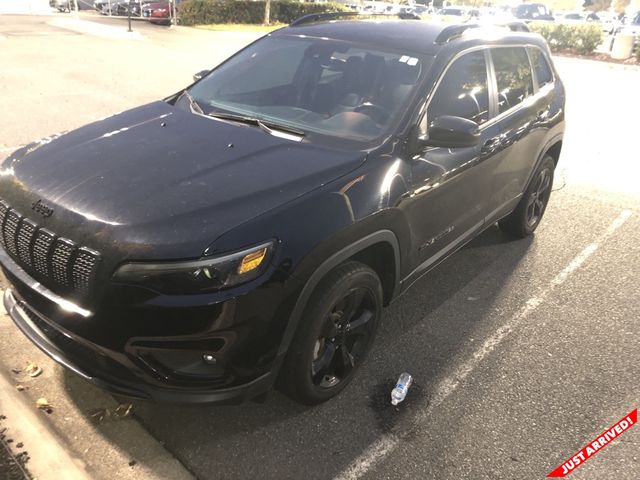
<point x="377" y="113"/>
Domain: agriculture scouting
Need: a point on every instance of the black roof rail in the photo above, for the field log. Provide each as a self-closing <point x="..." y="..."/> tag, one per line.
<point x="454" y="31"/>
<point x="320" y="17"/>
<point x="450" y="32"/>
<point x="517" y="26"/>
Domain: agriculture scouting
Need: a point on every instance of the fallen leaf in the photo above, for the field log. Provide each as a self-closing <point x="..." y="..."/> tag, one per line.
<point x="43" y="404"/>
<point x="33" y="370"/>
<point x="124" y="410"/>
<point x="99" y="414"/>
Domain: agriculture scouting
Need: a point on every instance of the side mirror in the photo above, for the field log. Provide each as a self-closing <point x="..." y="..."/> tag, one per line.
<point x="200" y="75"/>
<point x="452" y="132"/>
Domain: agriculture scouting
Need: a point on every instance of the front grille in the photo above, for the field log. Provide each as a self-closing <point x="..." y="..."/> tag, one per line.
<point x="56" y="262"/>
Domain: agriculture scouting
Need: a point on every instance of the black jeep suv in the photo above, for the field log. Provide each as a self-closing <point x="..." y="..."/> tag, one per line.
<point x="250" y="228"/>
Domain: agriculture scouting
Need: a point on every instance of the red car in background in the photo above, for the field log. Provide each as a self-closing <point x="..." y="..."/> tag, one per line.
<point x="158" y="12"/>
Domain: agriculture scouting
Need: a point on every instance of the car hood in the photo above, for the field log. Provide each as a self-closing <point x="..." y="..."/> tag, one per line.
<point x="160" y="182"/>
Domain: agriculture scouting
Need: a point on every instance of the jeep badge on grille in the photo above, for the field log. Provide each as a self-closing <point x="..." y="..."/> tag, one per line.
<point x="41" y="208"/>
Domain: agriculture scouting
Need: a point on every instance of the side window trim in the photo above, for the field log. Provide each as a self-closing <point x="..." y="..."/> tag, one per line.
<point x="493" y="87"/>
<point x="534" y="74"/>
<point x="422" y="117"/>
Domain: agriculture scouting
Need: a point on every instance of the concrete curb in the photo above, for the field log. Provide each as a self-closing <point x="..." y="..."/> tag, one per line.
<point x="70" y="438"/>
<point x="47" y="457"/>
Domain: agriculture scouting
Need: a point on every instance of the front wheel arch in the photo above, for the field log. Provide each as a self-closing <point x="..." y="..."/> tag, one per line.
<point x="343" y="255"/>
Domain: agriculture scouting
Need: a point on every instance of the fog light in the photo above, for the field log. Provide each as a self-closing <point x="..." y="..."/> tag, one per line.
<point x="208" y="358"/>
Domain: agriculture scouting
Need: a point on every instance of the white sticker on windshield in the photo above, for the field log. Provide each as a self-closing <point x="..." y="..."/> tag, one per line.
<point x="413" y="61"/>
<point x="404" y="59"/>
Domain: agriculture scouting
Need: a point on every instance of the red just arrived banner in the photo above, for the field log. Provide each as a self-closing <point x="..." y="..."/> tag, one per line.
<point x="596" y="445"/>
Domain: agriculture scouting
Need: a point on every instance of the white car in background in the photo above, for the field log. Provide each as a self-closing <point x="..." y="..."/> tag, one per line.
<point x="609" y="22"/>
<point x="633" y="28"/>
<point x="457" y="11"/>
<point x="571" y="17"/>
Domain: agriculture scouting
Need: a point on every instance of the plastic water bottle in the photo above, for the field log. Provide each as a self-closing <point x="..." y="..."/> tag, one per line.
<point x="399" y="393"/>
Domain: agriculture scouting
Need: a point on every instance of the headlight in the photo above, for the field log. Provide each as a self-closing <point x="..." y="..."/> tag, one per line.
<point x="207" y="274"/>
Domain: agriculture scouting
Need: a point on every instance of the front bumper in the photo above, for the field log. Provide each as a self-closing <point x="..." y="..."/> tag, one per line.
<point x="55" y="343"/>
<point x="140" y="352"/>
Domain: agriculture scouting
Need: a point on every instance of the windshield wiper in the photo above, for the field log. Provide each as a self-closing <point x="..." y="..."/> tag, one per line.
<point x="266" y="126"/>
<point x="192" y="103"/>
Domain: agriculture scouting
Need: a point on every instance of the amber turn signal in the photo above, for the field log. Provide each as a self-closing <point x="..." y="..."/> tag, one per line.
<point x="252" y="260"/>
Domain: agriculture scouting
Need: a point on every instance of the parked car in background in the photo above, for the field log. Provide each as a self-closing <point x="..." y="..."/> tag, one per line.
<point x="158" y="12"/>
<point x="633" y="28"/>
<point x="248" y="230"/>
<point x="416" y="9"/>
<point x="533" y="11"/>
<point x="421" y="10"/>
<point x="609" y="22"/>
<point x="118" y="7"/>
<point x="459" y="12"/>
<point x="392" y="9"/>
<point x="68" y="5"/>
<point x="104" y="6"/>
<point x="122" y="7"/>
<point x="571" y="17"/>
<point x="61" y="5"/>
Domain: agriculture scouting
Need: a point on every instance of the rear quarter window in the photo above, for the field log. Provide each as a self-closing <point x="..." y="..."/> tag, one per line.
<point x="541" y="67"/>
<point x="513" y="76"/>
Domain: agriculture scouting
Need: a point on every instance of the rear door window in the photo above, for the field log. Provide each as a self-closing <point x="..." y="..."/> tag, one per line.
<point x="463" y="90"/>
<point x="513" y="76"/>
<point x="541" y="67"/>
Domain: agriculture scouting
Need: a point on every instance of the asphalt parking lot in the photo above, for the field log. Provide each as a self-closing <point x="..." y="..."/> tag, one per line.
<point x="522" y="351"/>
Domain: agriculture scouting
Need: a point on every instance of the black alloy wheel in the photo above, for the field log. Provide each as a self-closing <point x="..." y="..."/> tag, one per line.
<point x="539" y="197"/>
<point x="335" y="334"/>
<point x="526" y="217"/>
<point x="344" y="337"/>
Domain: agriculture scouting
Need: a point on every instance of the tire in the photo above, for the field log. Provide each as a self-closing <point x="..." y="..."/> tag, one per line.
<point x="328" y="347"/>
<point x="523" y="221"/>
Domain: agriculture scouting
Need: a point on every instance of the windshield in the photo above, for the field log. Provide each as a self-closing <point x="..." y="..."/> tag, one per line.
<point x="315" y="85"/>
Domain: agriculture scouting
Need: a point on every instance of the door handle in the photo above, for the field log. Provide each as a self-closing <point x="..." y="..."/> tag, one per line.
<point x="491" y="145"/>
<point x="542" y="116"/>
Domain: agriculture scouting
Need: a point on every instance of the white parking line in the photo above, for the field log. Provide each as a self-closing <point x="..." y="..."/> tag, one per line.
<point x="387" y="444"/>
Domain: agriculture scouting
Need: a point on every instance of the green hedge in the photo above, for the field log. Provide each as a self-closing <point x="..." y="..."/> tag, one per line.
<point x="582" y="37"/>
<point x="201" y="12"/>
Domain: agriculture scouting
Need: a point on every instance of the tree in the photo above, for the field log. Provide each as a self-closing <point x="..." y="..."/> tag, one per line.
<point x="620" y="5"/>
<point x="597" y="5"/>
<point x="267" y="12"/>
